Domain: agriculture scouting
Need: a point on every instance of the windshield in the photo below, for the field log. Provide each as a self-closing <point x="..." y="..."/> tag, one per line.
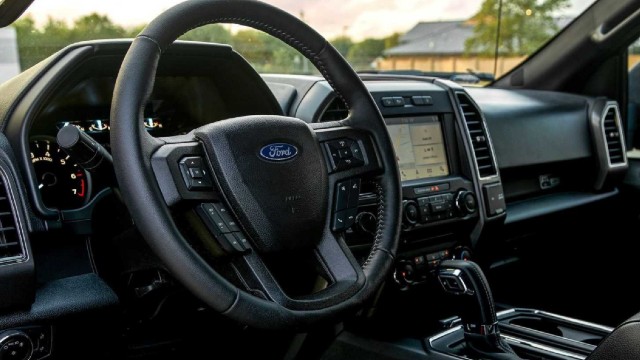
<point x="469" y="41"/>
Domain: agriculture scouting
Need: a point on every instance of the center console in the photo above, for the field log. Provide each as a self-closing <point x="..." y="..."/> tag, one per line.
<point x="451" y="186"/>
<point x="532" y="334"/>
<point x="481" y="333"/>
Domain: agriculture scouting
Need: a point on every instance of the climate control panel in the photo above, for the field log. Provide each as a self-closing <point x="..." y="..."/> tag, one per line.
<point x="434" y="202"/>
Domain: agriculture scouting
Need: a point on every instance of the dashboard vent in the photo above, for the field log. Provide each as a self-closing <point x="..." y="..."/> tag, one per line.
<point x="336" y="110"/>
<point x="11" y="248"/>
<point x="612" y="131"/>
<point x="478" y="134"/>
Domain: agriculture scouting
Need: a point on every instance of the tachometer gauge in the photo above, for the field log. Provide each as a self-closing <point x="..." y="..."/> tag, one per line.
<point x="62" y="183"/>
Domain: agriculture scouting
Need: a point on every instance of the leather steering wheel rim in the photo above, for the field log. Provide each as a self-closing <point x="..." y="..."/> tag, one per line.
<point x="132" y="148"/>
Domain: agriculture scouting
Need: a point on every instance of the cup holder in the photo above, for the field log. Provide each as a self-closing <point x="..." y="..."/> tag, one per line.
<point x="538" y="324"/>
<point x="593" y="341"/>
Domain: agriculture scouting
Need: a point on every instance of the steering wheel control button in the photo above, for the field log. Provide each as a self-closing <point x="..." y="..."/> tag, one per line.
<point x="224" y="228"/>
<point x="232" y="225"/>
<point x="357" y="153"/>
<point x="342" y="195"/>
<point x="233" y="241"/>
<point x="344" y="219"/>
<point x="350" y="218"/>
<point x="339" y="220"/>
<point x="217" y="225"/>
<point x="354" y="193"/>
<point x="345" y="154"/>
<point x="244" y="243"/>
<point x="345" y="208"/>
<point x="195" y="174"/>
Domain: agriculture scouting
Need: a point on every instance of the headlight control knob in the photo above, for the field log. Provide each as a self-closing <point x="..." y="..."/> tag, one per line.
<point x="15" y="345"/>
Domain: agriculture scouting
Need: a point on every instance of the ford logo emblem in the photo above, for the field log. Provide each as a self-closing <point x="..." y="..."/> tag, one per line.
<point x="278" y="152"/>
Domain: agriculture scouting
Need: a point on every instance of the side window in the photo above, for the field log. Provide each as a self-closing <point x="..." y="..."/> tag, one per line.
<point x="633" y="111"/>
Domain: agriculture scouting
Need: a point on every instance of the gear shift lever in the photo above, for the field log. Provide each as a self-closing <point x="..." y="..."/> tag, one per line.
<point x="467" y="282"/>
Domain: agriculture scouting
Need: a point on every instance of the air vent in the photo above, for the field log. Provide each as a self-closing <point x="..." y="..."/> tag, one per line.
<point x="612" y="135"/>
<point x="11" y="245"/>
<point x="479" y="139"/>
<point x="336" y="110"/>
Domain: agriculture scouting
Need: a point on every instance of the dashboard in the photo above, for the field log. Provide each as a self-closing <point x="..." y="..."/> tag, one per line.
<point x="452" y="174"/>
<point x="473" y="161"/>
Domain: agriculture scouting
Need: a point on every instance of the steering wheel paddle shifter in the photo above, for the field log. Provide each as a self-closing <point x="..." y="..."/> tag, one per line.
<point x="467" y="283"/>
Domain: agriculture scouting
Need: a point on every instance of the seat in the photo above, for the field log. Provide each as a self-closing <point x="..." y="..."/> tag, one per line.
<point x="622" y="344"/>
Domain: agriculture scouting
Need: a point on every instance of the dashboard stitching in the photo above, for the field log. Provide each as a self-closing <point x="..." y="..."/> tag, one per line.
<point x="378" y="238"/>
<point x="289" y="39"/>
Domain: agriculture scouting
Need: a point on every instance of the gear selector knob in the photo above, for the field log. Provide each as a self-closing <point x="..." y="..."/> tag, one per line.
<point x="466" y="281"/>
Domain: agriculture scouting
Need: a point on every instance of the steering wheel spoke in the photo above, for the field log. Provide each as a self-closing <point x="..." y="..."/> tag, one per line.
<point x="338" y="274"/>
<point x="182" y="171"/>
<point x="349" y="151"/>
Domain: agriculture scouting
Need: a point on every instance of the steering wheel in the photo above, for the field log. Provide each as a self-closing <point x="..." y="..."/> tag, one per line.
<point x="277" y="175"/>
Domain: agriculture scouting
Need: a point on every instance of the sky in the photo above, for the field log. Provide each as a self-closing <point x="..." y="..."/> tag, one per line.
<point x="330" y="17"/>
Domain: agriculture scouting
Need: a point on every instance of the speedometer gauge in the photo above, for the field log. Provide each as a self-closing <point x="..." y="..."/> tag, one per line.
<point x="62" y="183"/>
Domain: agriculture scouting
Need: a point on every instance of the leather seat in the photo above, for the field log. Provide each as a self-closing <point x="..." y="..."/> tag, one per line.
<point x="622" y="344"/>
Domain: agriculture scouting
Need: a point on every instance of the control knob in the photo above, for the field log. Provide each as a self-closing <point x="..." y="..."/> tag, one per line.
<point x="15" y="345"/>
<point x="404" y="274"/>
<point x="411" y="212"/>
<point x="466" y="202"/>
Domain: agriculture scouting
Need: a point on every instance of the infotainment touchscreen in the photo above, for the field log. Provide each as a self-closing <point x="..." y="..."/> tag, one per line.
<point x="419" y="146"/>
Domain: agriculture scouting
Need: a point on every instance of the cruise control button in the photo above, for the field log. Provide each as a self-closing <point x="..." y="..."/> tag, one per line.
<point x="357" y="152"/>
<point x="340" y="144"/>
<point x="345" y="153"/>
<point x="345" y="164"/>
<point x="334" y="153"/>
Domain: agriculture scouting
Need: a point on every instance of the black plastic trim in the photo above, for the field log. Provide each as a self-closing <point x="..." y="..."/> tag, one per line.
<point x="550" y="204"/>
<point x="64" y="297"/>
